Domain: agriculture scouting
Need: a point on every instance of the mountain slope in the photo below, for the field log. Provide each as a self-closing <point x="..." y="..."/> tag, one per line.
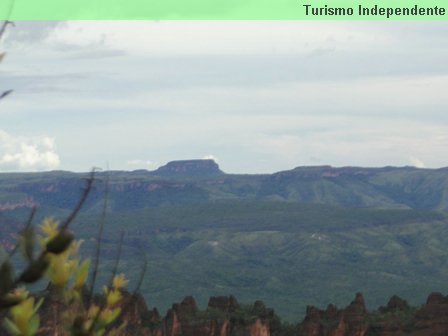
<point x="201" y="181"/>
<point x="304" y="236"/>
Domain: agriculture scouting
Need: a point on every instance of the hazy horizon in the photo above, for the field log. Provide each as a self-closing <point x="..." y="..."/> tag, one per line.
<point x="103" y="169"/>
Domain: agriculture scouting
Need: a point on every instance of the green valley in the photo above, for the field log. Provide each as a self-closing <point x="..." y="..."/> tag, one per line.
<point x="311" y="235"/>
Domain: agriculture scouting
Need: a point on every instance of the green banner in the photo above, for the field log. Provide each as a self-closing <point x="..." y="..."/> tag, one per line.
<point x="223" y="10"/>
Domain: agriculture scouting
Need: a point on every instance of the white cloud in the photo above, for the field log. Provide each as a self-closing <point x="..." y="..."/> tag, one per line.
<point x="210" y="157"/>
<point x="27" y="153"/>
<point x="416" y="162"/>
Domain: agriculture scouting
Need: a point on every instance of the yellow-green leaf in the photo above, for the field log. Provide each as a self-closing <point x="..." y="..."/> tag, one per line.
<point x="10" y="325"/>
<point x="81" y="274"/>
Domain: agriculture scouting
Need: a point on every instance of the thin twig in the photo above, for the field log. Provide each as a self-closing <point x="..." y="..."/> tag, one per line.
<point x="98" y="241"/>
<point x="4" y="25"/>
<point x="2" y="32"/>
<point x="133" y="296"/>
<point x="117" y="259"/>
<point x="64" y="226"/>
<point x="7" y="22"/>
<point x="27" y="225"/>
<point x="6" y="93"/>
<point x="114" y="272"/>
<point x="81" y="201"/>
<point x="142" y="274"/>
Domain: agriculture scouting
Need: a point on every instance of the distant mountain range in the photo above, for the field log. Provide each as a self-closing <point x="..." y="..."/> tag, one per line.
<point x="199" y="181"/>
<point x="304" y="236"/>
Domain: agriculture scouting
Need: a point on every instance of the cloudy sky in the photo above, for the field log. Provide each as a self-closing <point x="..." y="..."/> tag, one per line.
<point x="256" y="96"/>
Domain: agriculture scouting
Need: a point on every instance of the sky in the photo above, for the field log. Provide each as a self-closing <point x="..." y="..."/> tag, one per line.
<point x="255" y="96"/>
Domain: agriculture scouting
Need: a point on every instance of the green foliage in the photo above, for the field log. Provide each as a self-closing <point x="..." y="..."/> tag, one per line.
<point x="245" y="314"/>
<point x="152" y="325"/>
<point x="24" y="318"/>
<point x="402" y="316"/>
<point x="67" y="275"/>
<point x="57" y="260"/>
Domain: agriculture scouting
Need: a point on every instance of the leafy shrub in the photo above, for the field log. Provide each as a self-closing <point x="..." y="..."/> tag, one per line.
<point x="57" y="261"/>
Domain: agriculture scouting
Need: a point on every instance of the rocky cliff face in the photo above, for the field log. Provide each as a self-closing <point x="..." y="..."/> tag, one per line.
<point x="197" y="181"/>
<point x="332" y="321"/>
<point x="395" y="319"/>
<point x="431" y="318"/>
<point x="189" y="168"/>
<point x="224" y="316"/>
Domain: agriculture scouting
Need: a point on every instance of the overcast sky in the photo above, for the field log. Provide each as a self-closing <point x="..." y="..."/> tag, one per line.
<point x="256" y="96"/>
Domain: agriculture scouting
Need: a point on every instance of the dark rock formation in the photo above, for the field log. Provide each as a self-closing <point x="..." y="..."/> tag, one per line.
<point x="395" y="319"/>
<point x="345" y="322"/>
<point x="392" y="320"/>
<point x="224" y="316"/>
<point x="395" y="304"/>
<point x="227" y="304"/>
<point x="189" y="168"/>
<point x="432" y="318"/>
<point x="135" y="313"/>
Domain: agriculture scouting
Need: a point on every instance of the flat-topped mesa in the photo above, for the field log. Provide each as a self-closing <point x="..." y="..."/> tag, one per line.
<point x="313" y="172"/>
<point x="189" y="168"/>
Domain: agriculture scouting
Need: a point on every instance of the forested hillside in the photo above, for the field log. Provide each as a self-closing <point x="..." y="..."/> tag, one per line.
<point x="304" y="236"/>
